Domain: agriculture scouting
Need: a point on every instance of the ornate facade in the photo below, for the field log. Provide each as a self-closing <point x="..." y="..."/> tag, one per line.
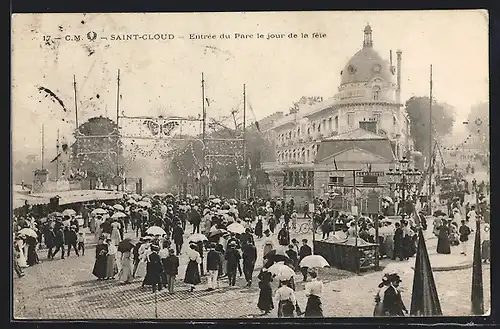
<point x="368" y="97"/>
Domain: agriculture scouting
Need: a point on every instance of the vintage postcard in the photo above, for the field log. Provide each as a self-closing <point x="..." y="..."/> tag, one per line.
<point x="250" y="165"/>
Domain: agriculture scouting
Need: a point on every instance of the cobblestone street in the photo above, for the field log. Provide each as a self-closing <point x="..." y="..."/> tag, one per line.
<point x="66" y="289"/>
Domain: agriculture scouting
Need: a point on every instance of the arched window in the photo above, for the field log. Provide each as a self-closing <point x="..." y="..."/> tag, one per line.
<point x="303" y="155"/>
<point x="376" y="93"/>
<point x="330" y="124"/>
<point x="319" y="127"/>
<point x="290" y="135"/>
<point x="307" y="155"/>
<point x="337" y="122"/>
<point x="308" y="131"/>
<point x="324" y="124"/>
<point x="393" y="120"/>
<point x="298" y="132"/>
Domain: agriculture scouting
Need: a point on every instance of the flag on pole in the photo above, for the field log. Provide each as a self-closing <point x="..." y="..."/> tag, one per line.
<point x="424" y="297"/>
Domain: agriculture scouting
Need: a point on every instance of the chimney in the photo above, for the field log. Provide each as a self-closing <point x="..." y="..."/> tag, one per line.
<point x="398" y="91"/>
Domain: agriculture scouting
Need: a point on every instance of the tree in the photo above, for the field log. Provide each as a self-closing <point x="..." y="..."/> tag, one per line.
<point x="98" y="155"/>
<point x="443" y="118"/>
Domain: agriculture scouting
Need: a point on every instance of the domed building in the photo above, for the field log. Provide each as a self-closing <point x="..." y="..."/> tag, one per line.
<point x="363" y="125"/>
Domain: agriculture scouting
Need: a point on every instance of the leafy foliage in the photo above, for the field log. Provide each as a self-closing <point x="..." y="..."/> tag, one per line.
<point x="98" y="155"/>
<point x="418" y="111"/>
<point x="480" y="114"/>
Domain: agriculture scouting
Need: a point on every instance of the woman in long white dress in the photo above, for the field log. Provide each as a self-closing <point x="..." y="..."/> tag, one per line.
<point x="115" y="233"/>
<point x="22" y="257"/>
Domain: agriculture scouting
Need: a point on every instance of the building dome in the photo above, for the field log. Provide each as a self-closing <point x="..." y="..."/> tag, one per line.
<point x="366" y="64"/>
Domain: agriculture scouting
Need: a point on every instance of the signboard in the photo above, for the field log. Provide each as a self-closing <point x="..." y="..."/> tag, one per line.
<point x="370" y="173"/>
<point x="354" y="210"/>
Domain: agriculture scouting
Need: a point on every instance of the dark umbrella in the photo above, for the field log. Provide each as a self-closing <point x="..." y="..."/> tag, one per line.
<point x="438" y="213"/>
<point x="275" y="256"/>
<point x="125" y="245"/>
<point x="216" y="232"/>
<point x="424" y="297"/>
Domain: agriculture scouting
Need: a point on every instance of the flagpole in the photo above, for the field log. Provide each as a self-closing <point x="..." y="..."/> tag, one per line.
<point x="430" y="143"/>
<point x="43" y="145"/>
<point x="57" y="154"/>
<point x="245" y="195"/>
<point x="204" y="127"/>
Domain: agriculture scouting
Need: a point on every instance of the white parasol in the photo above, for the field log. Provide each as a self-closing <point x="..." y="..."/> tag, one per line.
<point x="131" y="201"/>
<point x="28" y="232"/>
<point x="281" y="271"/>
<point x="155" y="230"/>
<point x="118" y="214"/>
<point x="69" y="212"/>
<point x="118" y="207"/>
<point x="98" y="211"/>
<point x="313" y="261"/>
<point x="197" y="237"/>
<point x="216" y="200"/>
<point x="236" y="228"/>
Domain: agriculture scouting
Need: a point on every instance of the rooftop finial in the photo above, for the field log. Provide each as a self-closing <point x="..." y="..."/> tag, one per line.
<point x="368" y="40"/>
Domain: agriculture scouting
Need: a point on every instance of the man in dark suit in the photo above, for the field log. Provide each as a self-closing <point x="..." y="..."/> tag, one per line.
<point x="292" y="254"/>
<point x="304" y="251"/>
<point x="393" y="303"/>
<point x="213" y="265"/>
<point x="398" y="242"/>
<point x="171" y="269"/>
<point x="233" y="259"/>
<point x="249" y="259"/>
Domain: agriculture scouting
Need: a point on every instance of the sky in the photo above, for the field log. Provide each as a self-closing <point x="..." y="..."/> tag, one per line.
<point x="162" y="77"/>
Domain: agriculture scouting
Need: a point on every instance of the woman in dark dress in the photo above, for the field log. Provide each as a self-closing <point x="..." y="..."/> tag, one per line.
<point x="258" y="228"/>
<point x="443" y="245"/>
<point x="101" y="259"/>
<point x="32" y="256"/>
<point x="192" y="276"/>
<point x="265" y="302"/>
<point x="154" y="269"/>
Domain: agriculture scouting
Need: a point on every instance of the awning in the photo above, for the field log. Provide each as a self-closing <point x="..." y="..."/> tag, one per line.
<point x="65" y="197"/>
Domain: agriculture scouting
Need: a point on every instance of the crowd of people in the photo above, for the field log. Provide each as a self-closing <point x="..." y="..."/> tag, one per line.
<point x="221" y="243"/>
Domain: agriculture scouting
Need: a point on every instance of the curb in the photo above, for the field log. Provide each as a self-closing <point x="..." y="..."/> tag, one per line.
<point x="450" y="268"/>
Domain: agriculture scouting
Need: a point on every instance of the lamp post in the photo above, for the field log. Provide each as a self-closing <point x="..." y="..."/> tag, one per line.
<point x="403" y="178"/>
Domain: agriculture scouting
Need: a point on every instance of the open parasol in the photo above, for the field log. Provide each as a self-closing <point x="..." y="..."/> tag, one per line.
<point x="313" y="261"/>
<point x="155" y="230"/>
<point x="98" y="211"/>
<point x="118" y="214"/>
<point x="118" y="207"/>
<point x="197" y="237"/>
<point x="28" y="232"/>
<point x="281" y="271"/>
<point x="277" y="255"/>
<point x="216" y="232"/>
<point x="55" y="214"/>
<point x="68" y="212"/>
<point x="125" y="245"/>
<point x="236" y="228"/>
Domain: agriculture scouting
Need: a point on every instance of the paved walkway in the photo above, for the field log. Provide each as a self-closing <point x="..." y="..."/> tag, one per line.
<point x="66" y="289"/>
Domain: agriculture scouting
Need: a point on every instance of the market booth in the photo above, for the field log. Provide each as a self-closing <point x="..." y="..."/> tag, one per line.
<point x="347" y="254"/>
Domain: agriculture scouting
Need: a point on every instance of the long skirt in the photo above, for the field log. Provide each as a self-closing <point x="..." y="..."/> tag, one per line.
<point x="265" y="302"/>
<point x="485" y="250"/>
<point x="125" y="274"/>
<point x="111" y="266"/>
<point x="313" y="307"/>
<point x="192" y="273"/>
<point x="443" y="245"/>
<point x="100" y="267"/>
<point x="286" y="309"/>
<point x="389" y="245"/>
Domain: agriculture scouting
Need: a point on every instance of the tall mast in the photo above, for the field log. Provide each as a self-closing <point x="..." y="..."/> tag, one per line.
<point x="118" y="127"/>
<point x="203" y="127"/>
<point x="57" y="154"/>
<point x="43" y="145"/>
<point x="245" y="164"/>
<point x="430" y="142"/>
<point x="76" y="103"/>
